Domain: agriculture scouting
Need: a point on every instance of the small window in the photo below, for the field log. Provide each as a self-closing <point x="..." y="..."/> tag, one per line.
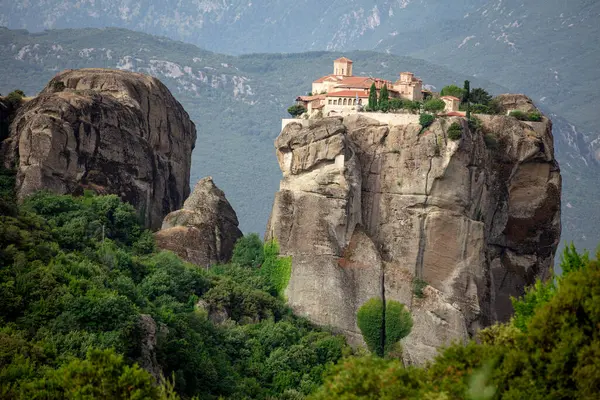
<point x="330" y="101"/>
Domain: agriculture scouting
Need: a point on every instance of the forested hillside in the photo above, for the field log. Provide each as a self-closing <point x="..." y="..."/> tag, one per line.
<point x="84" y="294"/>
<point x="85" y="298"/>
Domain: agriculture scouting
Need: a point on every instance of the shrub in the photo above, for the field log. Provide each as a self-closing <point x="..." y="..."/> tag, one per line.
<point x="418" y="286"/>
<point x="426" y="120"/>
<point x="15" y="98"/>
<point x="520" y="115"/>
<point x="296" y="110"/>
<point x="398" y="324"/>
<point x="481" y="109"/>
<point x="455" y="131"/>
<point x="278" y="270"/>
<point x="371" y="322"/>
<point x="434" y="105"/>
<point x="396" y="104"/>
<point x="248" y="251"/>
<point x="535" y="116"/>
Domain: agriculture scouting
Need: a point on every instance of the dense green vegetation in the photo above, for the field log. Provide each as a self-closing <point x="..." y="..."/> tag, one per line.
<point x="296" y="110"/>
<point x="550" y="350"/>
<point x="79" y="279"/>
<point x="455" y="131"/>
<point x="382" y="326"/>
<point x="523" y="116"/>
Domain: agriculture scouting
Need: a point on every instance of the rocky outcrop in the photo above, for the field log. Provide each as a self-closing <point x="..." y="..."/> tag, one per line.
<point x="111" y="131"/>
<point x="204" y="232"/>
<point x="369" y="210"/>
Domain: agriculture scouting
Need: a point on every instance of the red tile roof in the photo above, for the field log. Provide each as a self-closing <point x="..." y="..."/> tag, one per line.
<point x="343" y="59"/>
<point x="455" y="114"/>
<point x="450" y="97"/>
<point x="349" y="93"/>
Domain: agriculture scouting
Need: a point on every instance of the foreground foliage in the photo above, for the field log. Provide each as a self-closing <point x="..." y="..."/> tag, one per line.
<point x="550" y="350"/>
<point x="78" y="278"/>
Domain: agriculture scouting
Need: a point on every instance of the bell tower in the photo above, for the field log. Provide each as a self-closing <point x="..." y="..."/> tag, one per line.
<point x="342" y="67"/>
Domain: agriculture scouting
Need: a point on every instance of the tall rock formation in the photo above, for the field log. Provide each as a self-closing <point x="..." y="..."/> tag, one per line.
<point x="370" y="210"/>
<point x="111" y="131"/>
<point x="204" y="232"/>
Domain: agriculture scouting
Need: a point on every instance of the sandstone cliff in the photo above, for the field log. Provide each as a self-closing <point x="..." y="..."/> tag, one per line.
<point x="204" y="232"/>
<point x="107" y="130"/>
<point x="369" y="210"/>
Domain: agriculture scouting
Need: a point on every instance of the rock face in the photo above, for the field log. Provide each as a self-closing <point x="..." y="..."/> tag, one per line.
<point x="368" y="210"/>
<point x="111" y="131"/>
<point x="204" y="232"/>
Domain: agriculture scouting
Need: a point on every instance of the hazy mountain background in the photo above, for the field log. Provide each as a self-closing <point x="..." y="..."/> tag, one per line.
<point x="545" y="49"/>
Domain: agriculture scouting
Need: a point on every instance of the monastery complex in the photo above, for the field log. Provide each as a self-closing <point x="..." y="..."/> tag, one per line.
<point x="343" y="93"/>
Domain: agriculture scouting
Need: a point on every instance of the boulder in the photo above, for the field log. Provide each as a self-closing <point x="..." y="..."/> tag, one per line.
<point x="205" y="230"/>
<point x="114" y="132"/>
<point x="366" y="209"/>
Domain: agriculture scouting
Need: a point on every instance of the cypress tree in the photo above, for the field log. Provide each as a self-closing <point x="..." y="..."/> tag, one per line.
<point x="467" y="98"/>
<point x="384" y="98"/>
<point x="373" y="97"/>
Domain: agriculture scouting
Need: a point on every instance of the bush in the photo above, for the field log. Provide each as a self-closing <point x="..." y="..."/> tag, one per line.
<point x="15" y="99"/>
<point x="397" y="325"/>
<point x="426" y="120"/>
<point x="481" y="109"/>
<point x="278" y="270"/>
<point x="534" y="116"/>
<point x="418" y="286"/>
<point x="455" y="131"/>
<point x="248" y="251"/>
<point x="434" y="105"/>
<point x="520" y="115"/>
<point x="296" y="110"/>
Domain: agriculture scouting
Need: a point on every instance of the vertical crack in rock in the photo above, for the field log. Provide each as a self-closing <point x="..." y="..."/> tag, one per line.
<point x="422" y="221"/>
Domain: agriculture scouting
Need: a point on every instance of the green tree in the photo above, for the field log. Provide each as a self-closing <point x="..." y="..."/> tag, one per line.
<point x="434" y="105"/>
<point x="278" y="270"/>
<point x="455" y="131"/>
<point x="373" y="98"/>
<point x="296" y="110"/>
<point x="384" y="98"/>
<point x="480" y="96"/>
<point x="381" y="329"/>
<point x="452" y="90"/>
<point x="426" y="120"/>
<point x="467" y="98"/>
<point x="248" y="251"/>
<point x="102" y="375"/>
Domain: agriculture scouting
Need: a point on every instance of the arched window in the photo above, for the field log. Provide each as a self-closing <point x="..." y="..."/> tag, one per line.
<point x="345" y="101"/>
<point x="354" y="101"/>
<point x="360" y="101"/>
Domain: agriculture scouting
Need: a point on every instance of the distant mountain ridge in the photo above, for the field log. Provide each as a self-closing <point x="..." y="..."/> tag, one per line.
<point x="237" y="104"/>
